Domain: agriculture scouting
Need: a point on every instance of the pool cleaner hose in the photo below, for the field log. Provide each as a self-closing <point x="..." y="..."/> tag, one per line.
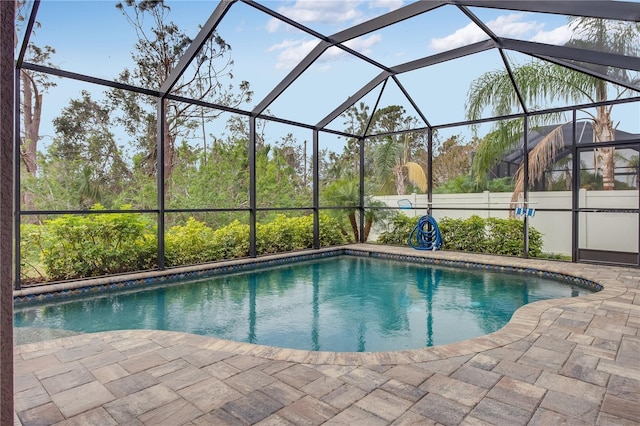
<point x="426" y="234"/>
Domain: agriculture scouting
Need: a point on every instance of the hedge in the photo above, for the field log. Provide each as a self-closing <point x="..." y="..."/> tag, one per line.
<point x="475" y="234"/>
<point x="95" y="244"/>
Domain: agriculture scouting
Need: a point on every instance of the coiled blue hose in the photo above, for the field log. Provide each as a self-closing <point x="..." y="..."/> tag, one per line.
<point x="426" y="234"/>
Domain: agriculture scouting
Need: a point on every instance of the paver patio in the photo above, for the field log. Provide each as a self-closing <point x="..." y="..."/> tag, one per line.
<point x="569" y="361"/>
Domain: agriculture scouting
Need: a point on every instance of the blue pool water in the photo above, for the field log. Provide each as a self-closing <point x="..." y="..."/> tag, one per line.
<point x="337" y="304"/>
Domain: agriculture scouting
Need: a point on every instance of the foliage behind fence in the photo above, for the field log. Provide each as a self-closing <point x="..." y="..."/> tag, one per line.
<point x="475" y="234"/>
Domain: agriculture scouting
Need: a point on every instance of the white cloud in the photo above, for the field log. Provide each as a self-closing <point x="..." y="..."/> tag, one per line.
<point x="322" y="11"/>
<point x="273" y="25"/>
<point x="330" y="12"/>
<point x="557" y="36"/>
<point x="386" y="4"/>
<point x="511" y="25"/>
<point x="291" y="52"/>
<point x="364" y="44"/>
<point x="461" y="37"/>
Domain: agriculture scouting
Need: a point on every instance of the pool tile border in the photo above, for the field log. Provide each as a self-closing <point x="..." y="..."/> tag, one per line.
<point x="581" y="282"/>
<point x="65" y="290"/>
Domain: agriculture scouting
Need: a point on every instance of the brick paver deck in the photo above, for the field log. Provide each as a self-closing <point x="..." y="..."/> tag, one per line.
<point x="569" y="361"/>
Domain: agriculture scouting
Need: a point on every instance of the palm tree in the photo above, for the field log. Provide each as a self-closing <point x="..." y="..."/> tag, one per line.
<point x="345" y="192"/>
<point x="391" y="159"/>
<point x="541" y="82"/>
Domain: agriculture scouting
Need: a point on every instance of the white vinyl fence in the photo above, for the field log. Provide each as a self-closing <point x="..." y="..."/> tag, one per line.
<point x="597" y="230"/>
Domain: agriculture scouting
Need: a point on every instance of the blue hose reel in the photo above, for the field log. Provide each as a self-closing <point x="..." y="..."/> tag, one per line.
<point x="426" y="234"/>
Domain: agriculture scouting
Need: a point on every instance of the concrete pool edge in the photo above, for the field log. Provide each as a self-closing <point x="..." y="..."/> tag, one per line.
<point x="524" y="322"/>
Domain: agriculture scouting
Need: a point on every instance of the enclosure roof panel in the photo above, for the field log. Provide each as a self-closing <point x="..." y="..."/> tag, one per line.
<point x="308" y="62"/>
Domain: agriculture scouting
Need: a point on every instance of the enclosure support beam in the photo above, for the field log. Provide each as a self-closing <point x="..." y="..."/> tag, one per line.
<point x="441" y="57"/>
<point x="621" y="11"/>
<point x="17" y="207"/>
<point x="316" y="191"/>
<point x="585" y="70"/>
<point x="572" y="54"/>
<point x="252" y="187"/>
<point x="292" y="76"/>
<point x="525" y="185"/>
<point x="161" y="184"/>
<point x="351" y="100"/>
<point x="415" y="106"/>
<point x="28" y="31"/>
<point x="575" y="186"/>
<point x="192" y="51"/>
<point x="7" y="87"/>
<point x="361" y="184"/>
<point x="429" y="170"/>
<point x="393" y="17"/>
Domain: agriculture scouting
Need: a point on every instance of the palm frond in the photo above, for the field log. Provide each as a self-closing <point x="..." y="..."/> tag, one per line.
<point x="539" y="83"/>
<point x="494" y="146"/>
<point x="494" y="89"/>
<point x="386" y="157"/>
<point x="541" y="157"/>
<point x="416" y="174"/>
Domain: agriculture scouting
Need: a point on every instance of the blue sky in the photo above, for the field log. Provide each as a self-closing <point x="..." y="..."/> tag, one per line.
<point x="93" y="37"/>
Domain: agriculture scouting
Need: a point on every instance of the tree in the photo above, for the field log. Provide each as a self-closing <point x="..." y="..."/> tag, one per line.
<point x="225" y="165"/>
<point x="452" y="159"/>
<point x="392" y="164"/>
<point x="278" y="182"/>
<point x="34" y="85"/>
<point x="86" y="145"/>
<point x="345" y="193"/>
<point x="389" y="157"/>
<point x="357" y="119"/>
<point x="156" y="54"/>
<point x="542" y="82"/>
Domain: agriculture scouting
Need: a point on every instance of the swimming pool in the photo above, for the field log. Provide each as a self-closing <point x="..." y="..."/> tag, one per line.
<point x="343" y="303"/>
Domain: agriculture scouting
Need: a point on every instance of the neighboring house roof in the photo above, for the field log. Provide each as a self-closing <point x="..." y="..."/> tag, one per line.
<point x="584" y="134"/>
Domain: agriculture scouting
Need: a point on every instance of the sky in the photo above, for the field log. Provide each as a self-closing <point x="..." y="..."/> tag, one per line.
<point x="94" y="38"/>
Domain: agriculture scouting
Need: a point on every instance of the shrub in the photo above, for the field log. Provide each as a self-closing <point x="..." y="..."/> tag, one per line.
<point x="504" y="236"/>
<point x="475" y="234"/>
<point x="399" y="229"/>
<point x="284" y="234"/>
<point x="99" y="244"/>
<point x="296" y="233"/>
<point x="464" y="234"/>
<point x="195" y="242"/>
<point x="231" y="241"/>
<point x="190" y="243"/>
<point x="331" y="231"/>
<point x="30" y="247"/>
<point x="96" y="244"/>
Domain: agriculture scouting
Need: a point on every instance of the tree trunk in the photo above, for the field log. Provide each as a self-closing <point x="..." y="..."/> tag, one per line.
<point x="32" y="110"/>
<point x="354" y="226"/>
<point x="168" y="147"/>
<point x="31" y="113"/>
<point x="401" y="187"/>
<point x="602" y="132"/>
<point x="367" y="228"/>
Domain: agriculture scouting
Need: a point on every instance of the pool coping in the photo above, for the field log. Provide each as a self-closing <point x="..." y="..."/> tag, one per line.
<point x="523" y="323"/>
